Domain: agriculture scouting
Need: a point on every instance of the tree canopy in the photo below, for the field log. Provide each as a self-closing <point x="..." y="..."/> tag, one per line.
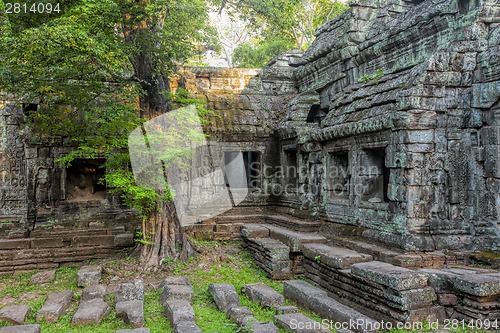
<point x="99" y="69"/>
<point x="280" y="25"/>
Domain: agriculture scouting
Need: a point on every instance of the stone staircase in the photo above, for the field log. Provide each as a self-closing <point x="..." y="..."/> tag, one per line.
<point x="372" y="281"/>
<point x="51" y="248"/>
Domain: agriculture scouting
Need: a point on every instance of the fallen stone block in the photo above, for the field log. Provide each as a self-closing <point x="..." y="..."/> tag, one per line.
<point x="21" y="329"/>
<point x="478" y="284"/>
<point x="124" y="240"/>
<point x="55" y="306"/>
<point x="133" y="291"/>
<point x="441" y="281"/>
<point x="178" y="311"/>
<point x="394" y="277"/>
<point x="254" y="231"/>
<point x="91" y="312"/>
<point x="224" y="295"/>
<point x="96" y="291"/>
<point x="239" y="314"/>
<point x="334" y="257"/>
<point x="317" y="300"/>
<point x="131" y="312"/>
<point x="43" y="277"/>
<point x="173" y="291"/>
<point x="264" y="295"/>
<point x="256" y="327"/>
<point x="294" y="239"/>
<point x="174" y="280"/>
<point x="136" y="330"/>
<point x="297" y="322"/>
<point x="187" y="327"/>
<point x="14" y="314"/>
<point x="286" y="309"/>
<point x="89" y="275"/>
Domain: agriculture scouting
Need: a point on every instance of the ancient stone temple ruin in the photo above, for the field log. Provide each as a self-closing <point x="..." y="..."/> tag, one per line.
<point x="372" y="164"/>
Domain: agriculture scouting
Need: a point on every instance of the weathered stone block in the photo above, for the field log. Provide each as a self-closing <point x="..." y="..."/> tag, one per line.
<point x="14" y="314"/>
<point x="224" y="295"/>
<point x="184" y="292"/>
<point x="334" y="257"/>
<point x="21" y="329"/>
<point x="178" y="311"/>
<point x="96" y="291"/>
<point x="297" y="322"/>
<point x="89" y="275"/>
<point x="286" y="309"/>
<point x="43" y="277"/>
<point x="124" y="240"/>
<point x="254" y="231"/>
<point x="239" y="314"/>
<point x="187" y="327"/>
<point x="132" y="312"/>
<point x="130" y="291"/>
<point x="478" y="284"/>
<point x="55" y="306"/>
<point x="264" y="295"/>
<point x="91" y="312"/>
<point x="174" y="280"/>
<point x="397" y="278"/>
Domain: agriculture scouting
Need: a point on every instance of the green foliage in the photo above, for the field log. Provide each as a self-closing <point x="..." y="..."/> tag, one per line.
<point x="374" y="77"/>
<point x="79" y="66"/>
<point x="248" y="56"/>
<point x="317" y="258"/>
<point x="281" y="25"/>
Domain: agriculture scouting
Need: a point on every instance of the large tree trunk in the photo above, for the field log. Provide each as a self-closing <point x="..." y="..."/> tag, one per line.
<point x="164" y="237"/>
<point x="162" y="232"/>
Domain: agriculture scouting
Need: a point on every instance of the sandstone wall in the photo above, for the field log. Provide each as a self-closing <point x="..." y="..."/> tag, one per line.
<point x="13" y="182"/>
<point x="417" y="84"/>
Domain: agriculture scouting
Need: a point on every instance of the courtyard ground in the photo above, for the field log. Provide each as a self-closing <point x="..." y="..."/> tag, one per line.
<point x="218" y="262"/>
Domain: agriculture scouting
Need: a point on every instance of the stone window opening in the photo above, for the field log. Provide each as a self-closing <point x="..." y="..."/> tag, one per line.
<point x="316" y="114"/>
<point x="83" y="180"/>
<point x="291" y="169"/>
<point x="374" y="176"/>
<point x="251" y="165"/>
<point x="338" y="175"/>
<point x="29" y="107"/>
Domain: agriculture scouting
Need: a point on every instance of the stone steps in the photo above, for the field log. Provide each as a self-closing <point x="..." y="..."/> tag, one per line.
<point x="335" y="257"/>
<point x="228" y="227"/>
<point x="271" y="255"/>
<point x="318" y="301"/>
<point x="45" y="250"/>
<point x="396" y="257"/>
<point x="277" y="250"/>
<point x="469" y="293"/>
<point x="379" y="290"/>
<point x="294" y="239"/>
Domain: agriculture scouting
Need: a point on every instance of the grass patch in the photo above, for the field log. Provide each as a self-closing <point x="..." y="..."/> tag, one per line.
<point x="220" y="262"/>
